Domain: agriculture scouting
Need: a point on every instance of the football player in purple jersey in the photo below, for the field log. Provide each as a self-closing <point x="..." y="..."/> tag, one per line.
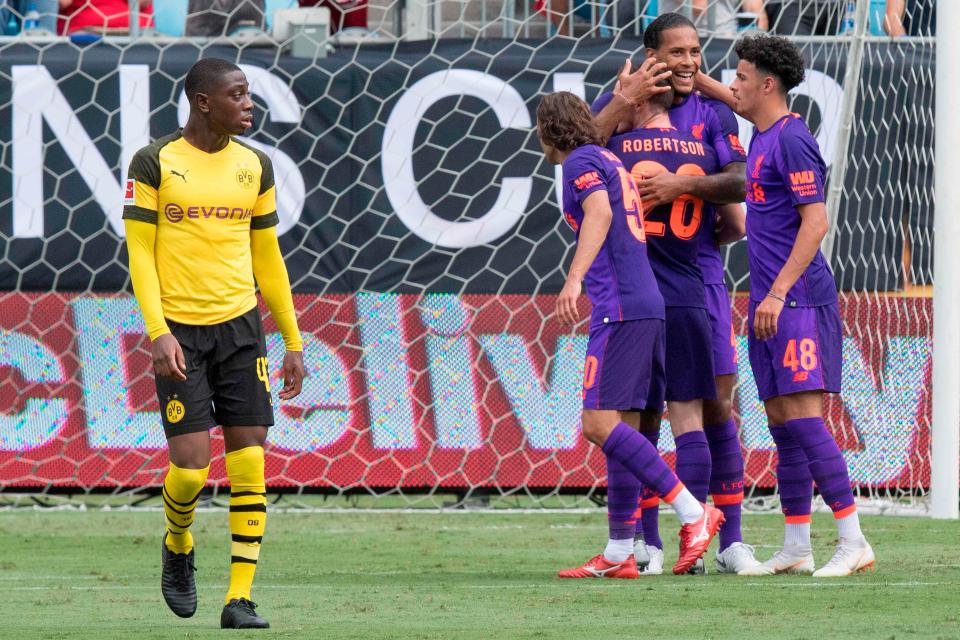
<point x="623" y="371"/>
<point x="795" y="332"/>
<point x="673" y="46"/>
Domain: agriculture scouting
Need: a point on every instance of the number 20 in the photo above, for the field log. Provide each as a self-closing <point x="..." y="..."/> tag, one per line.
<point x="684" y="207"/>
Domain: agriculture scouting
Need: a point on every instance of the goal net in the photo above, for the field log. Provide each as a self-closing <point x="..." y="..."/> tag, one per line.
<point x="421" y="230"/>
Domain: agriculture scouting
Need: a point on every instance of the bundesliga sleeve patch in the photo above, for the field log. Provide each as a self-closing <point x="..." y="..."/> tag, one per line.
<point x="130" y="192"/>
<point x="587" y="181"/>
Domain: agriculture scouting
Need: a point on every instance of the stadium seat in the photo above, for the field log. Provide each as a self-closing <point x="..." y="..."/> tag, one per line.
<point x="878" y="9"/>
<point x="272" y="6"/>
<point x="169" y="17"/>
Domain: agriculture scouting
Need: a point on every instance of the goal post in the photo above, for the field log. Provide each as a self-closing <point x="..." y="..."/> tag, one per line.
<point x="945" y="458"/>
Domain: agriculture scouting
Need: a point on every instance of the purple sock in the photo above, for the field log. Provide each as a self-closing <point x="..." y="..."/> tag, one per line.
<point x="641" y="458"/>
<point x="693" y="463"/>
<point x="726" y="478"/>
<point x="650" y="518"/>
<point x="794" y="481"/>
<point x="827" y="466"/>
<point x="649" y="523"/>
<point x="623" y="491"/>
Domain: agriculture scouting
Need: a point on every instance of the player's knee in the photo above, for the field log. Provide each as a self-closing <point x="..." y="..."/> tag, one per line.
<point x="717" y="411"/>
<point x="190" y="459"/>
<point x="595" y="428"/>
<point x="650" y="421"/>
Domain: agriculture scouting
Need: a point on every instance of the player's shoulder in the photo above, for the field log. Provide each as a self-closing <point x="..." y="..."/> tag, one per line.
<point x="589" y="166"/>
<point x="720" y="110"/>
<point x="145" y="164"/>
<point x="601" y="101"/>
<point x="792" y="130"/>
<point x="262" y="157"/>
<point x="590" y="153"/>
<point x="676" y="134"/>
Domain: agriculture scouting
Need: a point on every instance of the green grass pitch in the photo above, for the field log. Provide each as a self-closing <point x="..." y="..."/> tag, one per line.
<point x="363" y="574"/>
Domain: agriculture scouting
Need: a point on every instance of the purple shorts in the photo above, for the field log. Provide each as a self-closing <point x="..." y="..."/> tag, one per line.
<point x="624" y="366"/>
<point x="721" y="327"/>
<point x="689" y="355"/>
<point x="805" y="355"/>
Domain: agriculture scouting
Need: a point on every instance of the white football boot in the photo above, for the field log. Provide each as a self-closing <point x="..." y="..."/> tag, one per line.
<point x="792" y="559"/>
<point x="655" y="564"/>
<point x="851" y="556"/>
<point x="641" y="553"/>
<point x="736" y="558"/>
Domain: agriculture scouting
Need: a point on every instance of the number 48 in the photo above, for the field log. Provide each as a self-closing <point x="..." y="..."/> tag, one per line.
<point x="808" y="355"/>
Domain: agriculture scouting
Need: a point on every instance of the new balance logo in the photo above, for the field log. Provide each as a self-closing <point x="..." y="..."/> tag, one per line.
<point x="798" y="178"/>
<point x="183" y="175"/>
<point x="801" y="376"/>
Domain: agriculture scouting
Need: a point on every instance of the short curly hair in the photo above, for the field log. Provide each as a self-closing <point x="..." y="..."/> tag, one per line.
<point x="653" y="34"/>
<point x="564" y="122"/>
<point x="774" y="55"/>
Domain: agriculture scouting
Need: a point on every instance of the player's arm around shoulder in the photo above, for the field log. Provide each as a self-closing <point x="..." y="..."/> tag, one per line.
<point x="713" y="88"/>
<point x="271" y="275"/>
<point x="140" y="218"/>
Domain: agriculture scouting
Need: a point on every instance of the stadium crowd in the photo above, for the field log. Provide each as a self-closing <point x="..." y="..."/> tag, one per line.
<point x="895" y="18"/>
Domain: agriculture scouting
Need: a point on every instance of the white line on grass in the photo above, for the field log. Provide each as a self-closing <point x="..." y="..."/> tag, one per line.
<point x="510" y="585"/>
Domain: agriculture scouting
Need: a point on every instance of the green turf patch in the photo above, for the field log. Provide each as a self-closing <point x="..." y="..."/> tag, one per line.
<point x="358" y="574"/>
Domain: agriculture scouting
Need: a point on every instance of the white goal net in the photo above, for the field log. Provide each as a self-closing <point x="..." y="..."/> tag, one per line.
<point x="422" y="235"/>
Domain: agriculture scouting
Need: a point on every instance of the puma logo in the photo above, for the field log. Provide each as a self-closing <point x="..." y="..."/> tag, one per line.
<point x="183" y="175"/>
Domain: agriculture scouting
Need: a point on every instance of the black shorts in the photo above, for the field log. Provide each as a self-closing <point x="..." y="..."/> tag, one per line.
<point x="228" y="380"/>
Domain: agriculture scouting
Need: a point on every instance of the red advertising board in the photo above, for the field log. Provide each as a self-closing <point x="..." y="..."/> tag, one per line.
<point x="415" y="392"/>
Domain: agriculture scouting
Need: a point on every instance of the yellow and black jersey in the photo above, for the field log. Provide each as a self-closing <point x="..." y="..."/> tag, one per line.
<point x="204" y="206"/>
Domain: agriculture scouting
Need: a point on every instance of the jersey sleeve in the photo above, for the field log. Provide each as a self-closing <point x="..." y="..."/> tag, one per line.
<point x="141" y="191"/>
<point x="265" y="210"/>
<point x="801" y="166"/>
<point x="724" y="132"/>
<point x="584" y="175"/>
<point x="602" y="100"/>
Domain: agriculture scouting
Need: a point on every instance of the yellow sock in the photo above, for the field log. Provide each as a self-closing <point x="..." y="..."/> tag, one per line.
<point x="248" y="517"/>
<point x="181" y="490"/>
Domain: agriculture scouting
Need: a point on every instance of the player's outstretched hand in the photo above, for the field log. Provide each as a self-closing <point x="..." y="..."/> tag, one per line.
<point x="168" y="360"/>
<point x="293" y="374"/>
<point x="765" y="318"/>
<point x="662" y="188"/>
<point x="640" y="85"/>
<point x="567" y="302"/>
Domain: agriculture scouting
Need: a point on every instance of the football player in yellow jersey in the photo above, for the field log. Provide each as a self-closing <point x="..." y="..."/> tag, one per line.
<point x="200" y="218"/>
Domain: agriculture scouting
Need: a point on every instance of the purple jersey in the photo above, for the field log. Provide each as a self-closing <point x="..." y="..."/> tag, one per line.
<point x="784" y="170"/>
<point x="620" y="283"/>
<point x="673" y="230"/>
<point x="713" y="122"/>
